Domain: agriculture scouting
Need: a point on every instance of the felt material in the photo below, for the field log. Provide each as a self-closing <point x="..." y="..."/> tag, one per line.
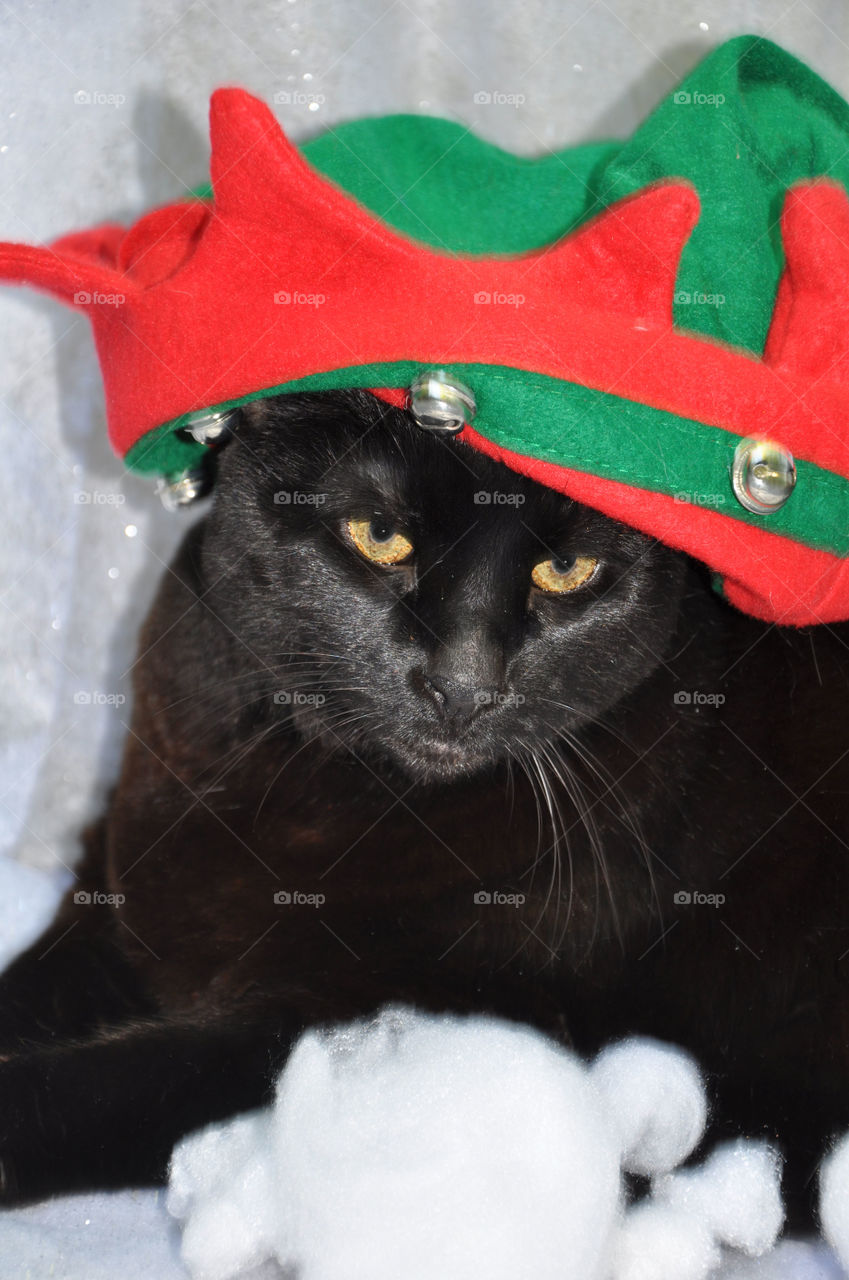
<point x="353" y="292"/>
<point x="430" y="179"/>
<point x="580" y="332"/>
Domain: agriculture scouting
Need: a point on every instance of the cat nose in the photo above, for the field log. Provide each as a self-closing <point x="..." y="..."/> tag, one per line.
<point x="458" y="701"/>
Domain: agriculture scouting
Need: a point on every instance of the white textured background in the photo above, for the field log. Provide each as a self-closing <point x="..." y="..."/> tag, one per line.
<point x="73" y="585"/>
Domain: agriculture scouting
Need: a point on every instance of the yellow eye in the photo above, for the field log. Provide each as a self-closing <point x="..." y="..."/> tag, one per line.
<point x="559" y="576"/>
<point x="378" y="541"/>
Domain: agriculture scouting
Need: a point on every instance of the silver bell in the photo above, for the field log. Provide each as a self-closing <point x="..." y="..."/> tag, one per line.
<point x="763" y="475"/>
<point x="180" y="490"/>
<point x="208" y="426"/>
<point x="439" y="403"/>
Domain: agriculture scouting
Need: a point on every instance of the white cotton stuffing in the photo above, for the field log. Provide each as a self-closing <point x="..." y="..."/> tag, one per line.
<point x="732" y="1199"/>
<point x="736" y="1193"/>
<point x="655" y="1101"/>
<point x="449" y="1148"/>
<point x="657" y="1242"/>
<point x="227" y="1220"/>
<point x="834" y="1200"/>
<point x="419" y="1147"/>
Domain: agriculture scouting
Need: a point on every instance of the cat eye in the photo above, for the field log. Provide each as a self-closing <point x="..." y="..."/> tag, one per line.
<point x="378" y="540"/>
<point x="557" y="576"/>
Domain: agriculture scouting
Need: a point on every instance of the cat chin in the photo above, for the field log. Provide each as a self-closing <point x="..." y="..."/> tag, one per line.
<point x="427" y="762"/>
<point x="437" y="762"/>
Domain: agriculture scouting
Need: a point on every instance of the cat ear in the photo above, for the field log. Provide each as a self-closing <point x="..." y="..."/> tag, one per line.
<point x="809" y="333"/>
<point x="626" y="259"/>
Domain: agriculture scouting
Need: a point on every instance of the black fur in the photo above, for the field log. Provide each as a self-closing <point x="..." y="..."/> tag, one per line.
<point x="404" y="740"/>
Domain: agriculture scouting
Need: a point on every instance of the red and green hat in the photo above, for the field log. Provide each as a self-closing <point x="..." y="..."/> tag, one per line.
<point x="659" y="329"/>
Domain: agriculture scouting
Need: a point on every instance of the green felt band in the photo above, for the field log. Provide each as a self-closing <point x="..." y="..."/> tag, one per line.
<point x="580" y="428"/>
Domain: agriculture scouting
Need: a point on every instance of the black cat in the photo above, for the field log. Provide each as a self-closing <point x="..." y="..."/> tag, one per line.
<point x="408" y="727"/>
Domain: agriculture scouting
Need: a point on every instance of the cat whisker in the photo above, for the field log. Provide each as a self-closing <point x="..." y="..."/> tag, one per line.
<point x="544" y="796"/>
<point x="534" y="770"/>
<point x="577" y="793"/>
<point x="265" y="672"/>
<point x="571" y="785"/>
<point x="201" y="710"/>
<point x="517" y="753"/>
<point x="626" y="814"/>
<point x="238" y="752"/>
<point x="555" y="818"/>
<point x="340" y="719"/>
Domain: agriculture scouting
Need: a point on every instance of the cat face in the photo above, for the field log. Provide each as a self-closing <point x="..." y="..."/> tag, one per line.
<point x="416" y="602"/>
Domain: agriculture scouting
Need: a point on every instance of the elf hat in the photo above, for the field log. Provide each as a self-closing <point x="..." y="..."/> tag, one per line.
<point x="564" y="362"/>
